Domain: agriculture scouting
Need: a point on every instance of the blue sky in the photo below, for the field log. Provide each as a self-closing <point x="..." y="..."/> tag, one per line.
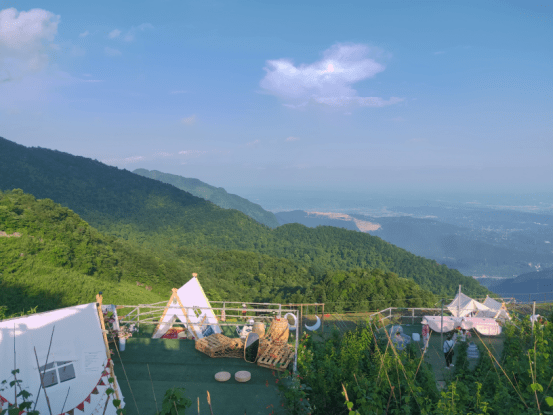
<point x="365" y="95"/>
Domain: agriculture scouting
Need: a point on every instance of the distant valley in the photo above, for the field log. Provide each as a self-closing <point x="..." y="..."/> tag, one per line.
<point x="485" y="243"/>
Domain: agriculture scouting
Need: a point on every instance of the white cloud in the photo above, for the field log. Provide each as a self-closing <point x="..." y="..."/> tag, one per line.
<point x="191" y="153"/>
<point x="25" y="42"/>
<point x="292" y="138"/>
<point x="84" y="34"/>
<point x="188" y="120"/>
<point x="129" y="36"/>
<point x="114" y="33"/>
<point x="126" y="160"/>
<point x="328" y="81"/>
<point x="112" y="52"/>
<point x="253" y="143"/>
<point x="178" y="92"/>
<point x="163" y="154"/>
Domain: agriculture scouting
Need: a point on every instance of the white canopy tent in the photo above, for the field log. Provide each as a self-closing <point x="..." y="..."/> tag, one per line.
<point x="76" y="370"/>
<point x="191" y="307"/>
<point x="463" y="306"/>
<point x="485" y="326"/>
<point x="495" y="310"/>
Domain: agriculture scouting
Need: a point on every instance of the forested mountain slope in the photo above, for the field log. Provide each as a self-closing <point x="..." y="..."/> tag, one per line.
<point x="216" y="195"/>
<point x="182" y="227"/>
<point x="51" y="258"/>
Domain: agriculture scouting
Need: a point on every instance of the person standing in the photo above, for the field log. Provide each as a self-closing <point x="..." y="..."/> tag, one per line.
<point x="448" y="352"/>
<point x="425" y="335"/>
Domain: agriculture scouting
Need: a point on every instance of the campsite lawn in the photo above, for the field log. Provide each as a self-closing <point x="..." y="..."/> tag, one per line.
<point x="176" y="363"/>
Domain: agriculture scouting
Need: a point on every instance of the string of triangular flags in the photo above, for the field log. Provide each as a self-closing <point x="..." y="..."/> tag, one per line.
<point x="81" y="406"/>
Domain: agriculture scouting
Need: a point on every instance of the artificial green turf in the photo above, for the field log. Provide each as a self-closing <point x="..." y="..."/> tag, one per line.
<point x="177" y="363"/>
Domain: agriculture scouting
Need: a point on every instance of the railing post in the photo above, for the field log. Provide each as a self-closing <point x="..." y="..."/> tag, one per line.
<point x="533" y="316"/>
<point x="296" y="354"/>
<point x="323" y="318"/>
<point x="413" y="311"/>
<point x="442" y="327"/>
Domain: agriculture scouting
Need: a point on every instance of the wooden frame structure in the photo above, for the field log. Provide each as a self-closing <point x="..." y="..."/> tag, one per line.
<point x="99" y="300"/>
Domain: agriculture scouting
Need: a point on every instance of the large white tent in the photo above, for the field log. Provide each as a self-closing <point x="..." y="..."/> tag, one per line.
<point x="485" y="326"/>
<point x="191" y="307"/>
<point x="495" y="310"/>
<point x="75" y="370"/>
<point x="463" y="306"/>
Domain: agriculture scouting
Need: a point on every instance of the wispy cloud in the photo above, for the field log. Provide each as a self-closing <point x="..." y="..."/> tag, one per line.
<point x="111" y="51"/>
<point x="126" y="160"/>
<point x="84" y="34"/>
<point x="193" y="153"/>
<point x="114" y="33"/>
<point x="130" y="35"/>
<point x="292" y="138"/>
<point x="253" y="143"/>
<point x="178" y="92"/>
<point x="328" y="81"/>
<point x="189" y="120"/>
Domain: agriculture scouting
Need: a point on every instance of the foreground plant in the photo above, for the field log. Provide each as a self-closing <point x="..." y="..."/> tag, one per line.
<point x="23" y="395"/>
<point x="175" y="402"/>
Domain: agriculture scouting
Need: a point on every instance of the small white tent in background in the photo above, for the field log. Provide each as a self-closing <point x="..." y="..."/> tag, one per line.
<point x="191" y="307"/>
<point x="76" y="370"/>
<point x="495" y="310"/>
<point x="463" y="305"/>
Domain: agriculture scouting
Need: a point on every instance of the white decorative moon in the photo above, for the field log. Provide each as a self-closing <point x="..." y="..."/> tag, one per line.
<point x="290" y="326"/>
<point x="315" y="326"/>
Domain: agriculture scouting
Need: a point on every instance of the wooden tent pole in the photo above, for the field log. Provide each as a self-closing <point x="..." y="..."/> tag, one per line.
<point x="166" y="308"/>
<point x="99" y="300"/>
<point x="185" y="312"/>
<point x="42" y="383"/>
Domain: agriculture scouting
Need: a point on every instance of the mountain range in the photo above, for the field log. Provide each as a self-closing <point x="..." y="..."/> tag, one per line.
<point x="216" y="195"/>
<point x="236" y="256"/>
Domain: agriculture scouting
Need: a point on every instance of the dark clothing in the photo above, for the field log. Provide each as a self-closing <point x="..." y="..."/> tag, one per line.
<point x="448" y="358"/>
<point x="448" y="352"/>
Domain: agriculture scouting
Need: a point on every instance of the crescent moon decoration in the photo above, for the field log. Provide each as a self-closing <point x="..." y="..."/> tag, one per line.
<point x="315" y="326"/>
<point x="291" y="317"/>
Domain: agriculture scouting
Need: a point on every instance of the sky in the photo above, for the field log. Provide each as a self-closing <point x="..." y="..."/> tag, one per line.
<point x="353" y="95"/>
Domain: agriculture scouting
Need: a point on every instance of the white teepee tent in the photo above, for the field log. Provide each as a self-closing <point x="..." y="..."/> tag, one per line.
<point x="75" y="365"/>
<point x="463" y="305"/>
<point x="190" y="306"/>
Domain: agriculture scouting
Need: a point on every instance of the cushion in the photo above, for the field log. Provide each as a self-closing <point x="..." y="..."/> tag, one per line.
<point x="222" y="376"/>
<point x="242" y="376"/>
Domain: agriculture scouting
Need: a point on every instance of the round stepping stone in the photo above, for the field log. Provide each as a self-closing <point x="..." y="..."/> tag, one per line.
<point x="222" y="376"/>
<point x="242" y="376"/>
